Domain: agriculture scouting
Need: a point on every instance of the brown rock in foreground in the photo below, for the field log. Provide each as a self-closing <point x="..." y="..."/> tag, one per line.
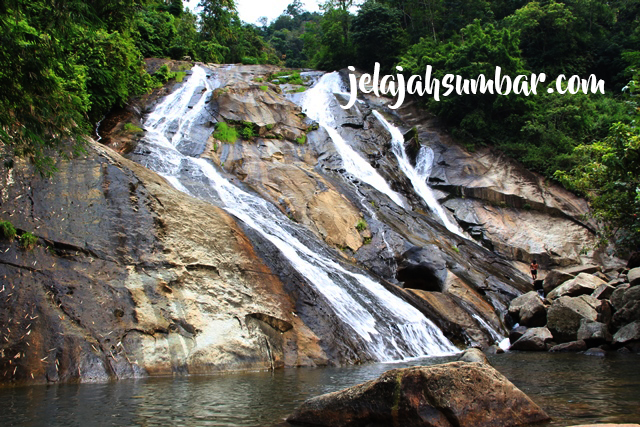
<point x="607" y="425"/>
<point x="452" y="394"/>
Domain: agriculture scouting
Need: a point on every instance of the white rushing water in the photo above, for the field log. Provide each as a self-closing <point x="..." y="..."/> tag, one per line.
<point x="386" y="326"/>
<point x="316" y="103"/>
<point x="419" y="175"/>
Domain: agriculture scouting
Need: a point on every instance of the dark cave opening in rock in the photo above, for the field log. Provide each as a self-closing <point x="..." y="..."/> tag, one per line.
<point x="419" y="277"/>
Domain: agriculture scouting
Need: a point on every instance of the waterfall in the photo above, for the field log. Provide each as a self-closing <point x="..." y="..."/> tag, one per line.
<point x="420" y="174"/>
<point x="387" y="326"/>
<point x="317" y="103"/>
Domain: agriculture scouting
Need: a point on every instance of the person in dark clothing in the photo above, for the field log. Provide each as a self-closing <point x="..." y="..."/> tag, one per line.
<point x="534" y="269"/>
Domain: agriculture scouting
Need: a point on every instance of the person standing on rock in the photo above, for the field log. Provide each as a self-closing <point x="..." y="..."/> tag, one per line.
<point x="534" y="269"/>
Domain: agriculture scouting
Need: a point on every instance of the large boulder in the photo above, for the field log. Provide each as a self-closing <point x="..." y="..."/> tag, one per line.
<point x="528" y="310"/>
<point x="565" y="314"/>
<point x="583" y="284"/>
<point x="535" y="339"/>
<point x="517" y="332"/>
<point x="603" y="291"/>
<point x="593" y="333"/>
<point x="473" y="355"/>
<point x="554" y="279"/>
<point x="630" y="332"/>
<point x="618" y="295"/>
<point x="453" y="394"/>
<point x="634" y="260"/>
<point x="634" y="276"/>
<point x="629" y="309"/>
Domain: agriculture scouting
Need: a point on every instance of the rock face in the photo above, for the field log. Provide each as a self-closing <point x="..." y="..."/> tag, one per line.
<point x="423" y="268"/>
<point x="528" y="310"/>
<point x="454" y="394"/>
<point x="487" y="192"/>
<point x="133" y="278"/>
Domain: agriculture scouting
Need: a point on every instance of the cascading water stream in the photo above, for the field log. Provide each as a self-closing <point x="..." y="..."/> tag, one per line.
<point x="419" y="175"/>
<point x="386" y="326"/>
<point x="316" y="103"/>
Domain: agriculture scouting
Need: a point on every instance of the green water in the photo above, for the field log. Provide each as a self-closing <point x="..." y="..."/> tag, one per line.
<point x="572" y="388"/>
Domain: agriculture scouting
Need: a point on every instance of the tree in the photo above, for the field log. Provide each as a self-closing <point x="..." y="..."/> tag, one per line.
<point x="608" y="174"/>
<point x="478" y="50"/>
<point x="43" y="97"/>
<point x="377" y="36"/>
<point x="215" y="18"/>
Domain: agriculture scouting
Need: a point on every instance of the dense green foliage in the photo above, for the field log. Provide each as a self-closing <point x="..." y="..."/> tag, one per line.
<point x="64" y="64"/>
<point x="225" y="133"/>
<point x="608" y="174"/>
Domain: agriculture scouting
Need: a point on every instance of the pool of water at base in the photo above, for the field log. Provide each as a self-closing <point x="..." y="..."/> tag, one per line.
<point x="572" y="388"/>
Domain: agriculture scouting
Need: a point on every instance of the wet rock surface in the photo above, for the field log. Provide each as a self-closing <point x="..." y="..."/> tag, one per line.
<point x="459" y="393"/>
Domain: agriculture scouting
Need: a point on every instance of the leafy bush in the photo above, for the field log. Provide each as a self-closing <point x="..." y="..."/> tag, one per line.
<point x="180" y="76"/>
<point x="163" y="74"/>
<point x="361" y="225"/>
<point x="28" y="241"/>
<point x="264" y="88"/>
<point x="247" y="131"/>
<point x="225" y="133"/>
<point x="7" y="230"/>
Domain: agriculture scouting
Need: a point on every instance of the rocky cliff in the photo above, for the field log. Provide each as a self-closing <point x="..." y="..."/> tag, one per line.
<point x="131" y="277"/>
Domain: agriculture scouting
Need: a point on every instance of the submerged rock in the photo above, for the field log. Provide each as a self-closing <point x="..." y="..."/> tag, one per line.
<point x="459" y="393"/>
<point x="598" y="352"/>
<point x="573" y="346"/>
